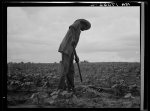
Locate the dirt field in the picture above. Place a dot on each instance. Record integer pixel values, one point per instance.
(25, 80)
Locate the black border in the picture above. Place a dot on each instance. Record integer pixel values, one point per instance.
(70, 3)
(4, 55)
(146, 58)
(11, 3)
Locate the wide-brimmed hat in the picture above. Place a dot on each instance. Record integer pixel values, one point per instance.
(86, 23)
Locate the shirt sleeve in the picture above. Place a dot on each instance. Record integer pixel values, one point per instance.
(72, 29)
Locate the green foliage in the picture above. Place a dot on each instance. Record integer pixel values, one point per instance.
(45, 76)
(29, 76)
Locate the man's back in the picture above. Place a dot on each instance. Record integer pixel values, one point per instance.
(71, 36)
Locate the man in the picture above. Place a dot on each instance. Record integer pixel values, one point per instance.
(67, 48)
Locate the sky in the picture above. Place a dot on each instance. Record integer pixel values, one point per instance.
(35, 33)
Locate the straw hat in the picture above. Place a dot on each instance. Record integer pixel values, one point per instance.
(86, 23)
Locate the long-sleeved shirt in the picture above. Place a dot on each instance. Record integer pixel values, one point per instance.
(72, 35)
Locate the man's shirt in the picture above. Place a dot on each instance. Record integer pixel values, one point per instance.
(72, 35)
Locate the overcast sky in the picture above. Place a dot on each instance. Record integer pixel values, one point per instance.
(35, 33)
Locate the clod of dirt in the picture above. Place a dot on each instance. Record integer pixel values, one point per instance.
(50, 101)
(55, 96)
(63, 99)
(55, 93)
(38, 97)
(129, 95)
(66, 94)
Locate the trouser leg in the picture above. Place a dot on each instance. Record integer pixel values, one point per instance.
(70, 74)
(62, 83)
(67, 69)
(64, 72)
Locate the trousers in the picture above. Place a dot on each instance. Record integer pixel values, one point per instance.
(67, 71)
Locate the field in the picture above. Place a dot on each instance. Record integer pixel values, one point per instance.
(25, 80)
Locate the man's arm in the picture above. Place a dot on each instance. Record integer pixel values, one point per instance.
(72, 29)
(73, 43)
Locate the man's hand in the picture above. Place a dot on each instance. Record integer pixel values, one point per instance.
(77, 59)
